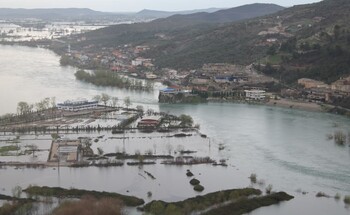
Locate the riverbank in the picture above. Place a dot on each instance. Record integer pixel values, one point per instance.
(286, 103)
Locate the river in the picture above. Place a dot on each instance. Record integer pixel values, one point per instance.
(286, 148)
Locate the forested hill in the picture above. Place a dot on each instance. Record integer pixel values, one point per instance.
(310, 40)
(319, 47)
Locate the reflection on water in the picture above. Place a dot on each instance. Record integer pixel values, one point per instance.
(287, 148)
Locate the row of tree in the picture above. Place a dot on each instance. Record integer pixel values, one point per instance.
(113, 101)
(24, 108)
(112, 79)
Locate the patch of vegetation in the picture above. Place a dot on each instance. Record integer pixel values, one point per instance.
(199, 202)
(5, 149)
(253, 178)
(347, 200)
(322, 194)
(337, 196)
(107, 78)
(76, 193)
(246, 205)
(194, 181)
(90, 205)
(198, 188)
(8, 208)
(17, 204)
(189, 173)
(339, 137)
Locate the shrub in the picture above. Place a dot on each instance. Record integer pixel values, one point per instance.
(189, 173)
(347, 200)
(253, 178)
(322, 194)
(194, 181)
(337, 196)
(157, 208)
(171, 209)
(198, 188)
(339, 137)
(90, 205)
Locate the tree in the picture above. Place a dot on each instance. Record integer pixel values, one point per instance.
(157, 208)
(139, 108)
(114, 101)
(43, 104)
(186, 120)
(53, 102)
(24, 108)
(171, 209)
(105, 98)
(17, 191)
(149, 85)
(127, 101)
(97, 98)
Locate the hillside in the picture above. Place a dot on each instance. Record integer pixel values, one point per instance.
(230, 15)
(177, 25)
(163, 14)
(319, 47)
(311, 40)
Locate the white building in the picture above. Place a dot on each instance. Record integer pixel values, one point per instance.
(137, 62)
(255, 94)
(77, 105)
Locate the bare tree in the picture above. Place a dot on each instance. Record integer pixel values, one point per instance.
(24, 108)
(105, 98)
(114, 101)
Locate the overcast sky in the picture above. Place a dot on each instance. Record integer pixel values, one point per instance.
(136, 5)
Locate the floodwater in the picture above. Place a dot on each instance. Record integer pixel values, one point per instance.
(50, 31)
(284, 147)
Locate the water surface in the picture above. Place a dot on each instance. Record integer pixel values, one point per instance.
(284, 147)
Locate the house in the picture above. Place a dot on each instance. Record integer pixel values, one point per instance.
(342, 85)
(318, 95)
(148, 123)
(137, 62)
(150, 75)
(77, 105)
(223, 79)
(255, 94)
(142, 62)
(310, 83)
(65, 151)
(200, 81)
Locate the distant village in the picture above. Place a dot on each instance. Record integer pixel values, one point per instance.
(214, 81)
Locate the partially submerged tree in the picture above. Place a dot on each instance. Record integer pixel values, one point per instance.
(339, 137)
(105, 98)
(127, 101)
(114, 101)
(186, 120)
